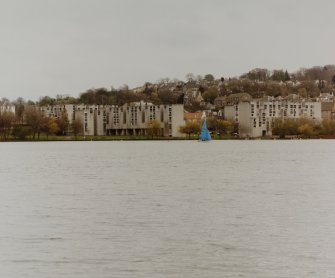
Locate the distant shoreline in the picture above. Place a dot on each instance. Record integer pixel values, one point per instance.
(133, 138)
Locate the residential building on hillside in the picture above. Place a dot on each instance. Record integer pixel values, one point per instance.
(192, 95)
(326, 97)
(193, 116)
(256, 117)
(236, 98)
(328, 110)
(220, 101)
(129, 119)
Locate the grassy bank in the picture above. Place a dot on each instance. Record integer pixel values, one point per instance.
(44, 138)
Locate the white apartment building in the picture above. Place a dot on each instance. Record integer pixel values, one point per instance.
(129, 119)
(256, 117)
(133, 118)
(93, 117)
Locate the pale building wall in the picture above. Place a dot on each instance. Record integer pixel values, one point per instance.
(7, 108)
(127, 119)
(256, 117)
(177, 120)
(229, 113)
(134, 118)
(244, 120)
(70, 110)
(92, 117)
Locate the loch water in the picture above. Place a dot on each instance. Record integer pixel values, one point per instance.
(256, 209)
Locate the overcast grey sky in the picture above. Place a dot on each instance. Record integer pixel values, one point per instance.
(51, 47)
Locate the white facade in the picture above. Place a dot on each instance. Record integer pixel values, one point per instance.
(93, 118)
(129, 119)
(133, 119)
(256, 117)
(7, 108)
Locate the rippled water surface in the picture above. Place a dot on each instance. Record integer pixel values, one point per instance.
(167, 209)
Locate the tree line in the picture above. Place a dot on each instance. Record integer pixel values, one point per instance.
(326, 73)
(30, 122)
(217, 126)
(303, 127)
(306, 82)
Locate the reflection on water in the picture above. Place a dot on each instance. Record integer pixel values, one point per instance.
(167, 209)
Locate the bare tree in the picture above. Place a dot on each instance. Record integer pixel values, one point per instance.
(77, 127)
(7, 119)
(190, 77)
(34, 119)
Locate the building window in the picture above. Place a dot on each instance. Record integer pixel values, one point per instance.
(124, 116)
(152, 113)
(133, 118)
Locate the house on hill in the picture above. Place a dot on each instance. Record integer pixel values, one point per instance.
(220, 101)
(328, 110)
(192, 95)
(239, 97)
(193, 116)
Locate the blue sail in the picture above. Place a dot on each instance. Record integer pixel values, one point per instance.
(205, 135)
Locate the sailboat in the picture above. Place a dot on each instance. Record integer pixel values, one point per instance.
(204, 135)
